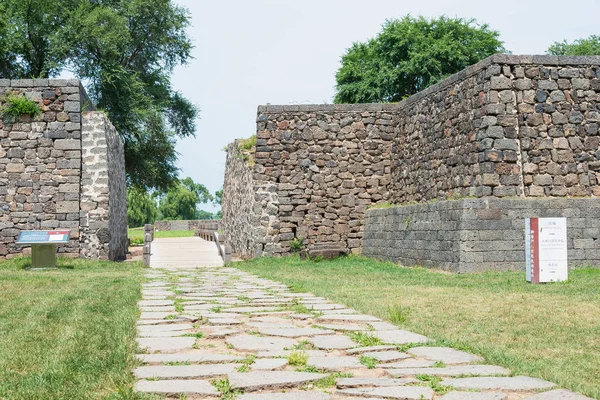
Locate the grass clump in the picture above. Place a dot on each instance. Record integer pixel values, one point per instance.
(224, 387)
(434, 382)
(69, 333)
(297, 358)
(216, 309)
(246, 363)
(369, 362)
(296, 245)
(398, 314)
(14, 106)
(304, 345)
(330, 380)
(365, 339)
(492, 314)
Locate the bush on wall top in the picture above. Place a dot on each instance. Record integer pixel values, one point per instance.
(16, 105)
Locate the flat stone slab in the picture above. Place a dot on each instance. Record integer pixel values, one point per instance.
(343, 327)
(295, 332)
(334, 363)
(155, 303)
(194, 357)
(175, 387)
(224, 321)
(370, 349)
(269, 364)
(331, 342)
(559, 394)
(286, 353)
(445, 354)
(162, 334)
(391, 392)
(347, 317)
(165, 328)
(219, 333)
(286, 396)
(386, 356)
(457, 370)
(271, 325)
(250, 309)
(409, 363)
(383, 326)
(155, 315)
(252, 381)
(166, 344)
(347, 383)
(400, 337)
(455, 395)
(183, 371)
(255, 343)
(516, 383)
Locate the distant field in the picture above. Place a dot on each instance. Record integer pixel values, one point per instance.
(68, 333)
(548, 331)
(136, 235)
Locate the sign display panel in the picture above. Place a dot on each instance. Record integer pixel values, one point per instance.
(546, 250)
(41, 237)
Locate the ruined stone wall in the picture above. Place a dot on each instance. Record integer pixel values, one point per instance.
(103, 190)
(509, 126)
(242, 209)
(41, 166)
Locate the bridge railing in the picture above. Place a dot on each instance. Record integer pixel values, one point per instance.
(209, 230)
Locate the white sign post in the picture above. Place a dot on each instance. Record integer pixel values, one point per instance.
(546, 250)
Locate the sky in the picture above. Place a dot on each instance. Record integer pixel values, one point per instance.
(254, 52)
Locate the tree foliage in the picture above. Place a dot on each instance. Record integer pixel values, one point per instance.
(409, 55)
(126, 51)
(141, 208)
(182, 199)
(581, 47)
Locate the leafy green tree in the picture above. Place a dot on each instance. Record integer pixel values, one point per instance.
(581, 47)
(218, 197)
(203, 215)
(126, 50)
(182, 199)
(409, 55)
(141, 207)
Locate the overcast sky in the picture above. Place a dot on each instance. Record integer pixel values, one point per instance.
(253, 52)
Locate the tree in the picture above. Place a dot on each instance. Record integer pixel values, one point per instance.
(203, 215)
(409, 55)
(218, 197)
(141, 208)
(126, 50)
(581, 47)
(182, 199)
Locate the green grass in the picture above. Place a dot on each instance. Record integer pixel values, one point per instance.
(297, 359)
(365, 339)
(68, 333)
(547, 331)
(369, 362)
(136, 235)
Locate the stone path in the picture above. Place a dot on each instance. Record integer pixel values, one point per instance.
(184, 252)
(218, 332)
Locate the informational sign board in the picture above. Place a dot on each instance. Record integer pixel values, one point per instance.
(41, 237)
(43, 246)
(546, 250)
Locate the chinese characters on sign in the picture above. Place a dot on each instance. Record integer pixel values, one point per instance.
(546, 249)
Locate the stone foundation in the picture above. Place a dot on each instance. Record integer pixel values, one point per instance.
(474, 235)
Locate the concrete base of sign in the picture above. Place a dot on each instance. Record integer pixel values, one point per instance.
(43, 256)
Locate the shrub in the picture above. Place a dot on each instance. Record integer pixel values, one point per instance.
(17, 105)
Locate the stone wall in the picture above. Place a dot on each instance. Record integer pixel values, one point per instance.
(241, 206)
(509, 126)
(178, 225)
(103, 190)
(41, 167)
(477, 234)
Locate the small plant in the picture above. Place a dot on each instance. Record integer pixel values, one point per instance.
(406, 222)
(197, 335)
(246, 363)
(296, 245)
(171, 317)
(224, 387)
(248, 144)
(369, 362)
(364, 338)
(245, 299)
(216, 309)
(398, 314)
(176, 363)
(17, 105)
(297, 358)
(309, 368)
(439, 364)
(434, 382)
(304, 345)
(331, 380)
(243, 368)
(178, 304)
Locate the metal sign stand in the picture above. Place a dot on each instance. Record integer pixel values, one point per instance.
(43, 246)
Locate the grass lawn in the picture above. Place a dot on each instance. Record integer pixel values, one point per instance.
(136, 235)
(547, 331)
(68, 333)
